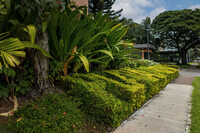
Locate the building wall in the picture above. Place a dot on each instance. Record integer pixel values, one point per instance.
(82, 2)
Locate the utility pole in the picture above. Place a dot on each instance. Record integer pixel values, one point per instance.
(148, 29)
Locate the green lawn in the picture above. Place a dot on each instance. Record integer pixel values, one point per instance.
(195, 118)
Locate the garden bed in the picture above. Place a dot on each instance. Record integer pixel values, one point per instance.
(104, 94)
(106, 98)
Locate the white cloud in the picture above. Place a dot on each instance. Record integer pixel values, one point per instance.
(137, 9)
(194, 7)
(143, 3)
(159, 2)
(156, 12)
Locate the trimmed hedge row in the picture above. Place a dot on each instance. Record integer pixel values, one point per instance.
(99, 103)
(130, 93)
(171, 73)
(173, 66)
(111, 96)
(151, 83)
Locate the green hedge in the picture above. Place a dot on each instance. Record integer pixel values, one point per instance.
(172, 66)
(143, 76)
(97, 102)
(110, 96)
(151, 83)
(135, 94)
(162, 70)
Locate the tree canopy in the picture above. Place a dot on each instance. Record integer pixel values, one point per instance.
(105, 6)
(137, 32)
(178, 30)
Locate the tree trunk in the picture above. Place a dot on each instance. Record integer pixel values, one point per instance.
(41, 65)
(183, 58)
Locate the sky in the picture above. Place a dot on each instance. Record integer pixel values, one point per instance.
(140, 9)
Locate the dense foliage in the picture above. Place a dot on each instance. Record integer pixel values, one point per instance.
(105, 6)
(74, 41)
(138, 32)
(18, 14)
(178, 30)
(17, 80)
(52, 113)
(110, 96)
(86, 40)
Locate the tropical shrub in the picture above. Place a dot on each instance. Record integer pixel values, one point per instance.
(128, 61)
(122, 58)
(6, 85)
(24, 77)
(78, 39)
(52, 113)
(18, 80)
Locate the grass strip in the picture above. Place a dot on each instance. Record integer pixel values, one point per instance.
(195, 111)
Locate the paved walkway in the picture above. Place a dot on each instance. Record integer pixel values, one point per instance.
(168, 112)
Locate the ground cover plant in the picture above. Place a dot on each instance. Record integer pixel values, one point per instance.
(52, 113)
(195, 111)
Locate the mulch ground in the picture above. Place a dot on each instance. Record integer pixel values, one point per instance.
(6, 106)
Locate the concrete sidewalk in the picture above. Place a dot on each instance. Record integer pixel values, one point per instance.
(167, 112)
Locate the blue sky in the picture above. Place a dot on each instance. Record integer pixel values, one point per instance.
(140, 9)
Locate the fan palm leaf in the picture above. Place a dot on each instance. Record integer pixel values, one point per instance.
(10, 50)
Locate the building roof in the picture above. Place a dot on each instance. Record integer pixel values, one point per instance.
(144, 46)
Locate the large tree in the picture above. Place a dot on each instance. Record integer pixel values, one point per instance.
(130, 35)
(179, 30)
(105, 6)
(137, 32)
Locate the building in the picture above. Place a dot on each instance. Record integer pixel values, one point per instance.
(143, 49)
(82, 2)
